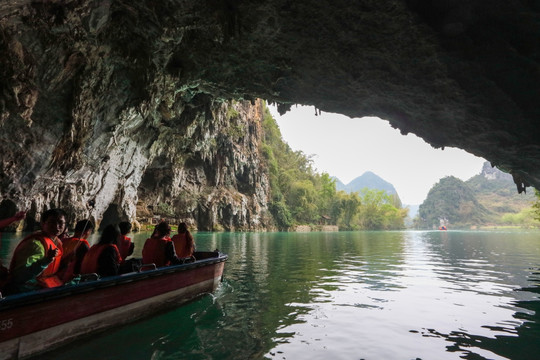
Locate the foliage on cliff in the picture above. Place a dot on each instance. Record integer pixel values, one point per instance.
(536, 205)
(453, 201)
(300, 195)
(489, 198)
(496, 191)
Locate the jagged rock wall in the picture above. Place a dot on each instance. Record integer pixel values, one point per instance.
(88, 86)
(209, 173)
(94, 126)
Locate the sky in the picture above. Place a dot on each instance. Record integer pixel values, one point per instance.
(346, 148)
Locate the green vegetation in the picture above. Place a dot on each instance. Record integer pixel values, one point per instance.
(536, 206)
(165, 210)
(488, 199)
(302, 196)
(453, 200)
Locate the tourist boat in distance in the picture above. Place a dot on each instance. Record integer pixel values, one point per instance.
(37, 321)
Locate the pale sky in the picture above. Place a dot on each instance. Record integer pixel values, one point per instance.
(346, 148)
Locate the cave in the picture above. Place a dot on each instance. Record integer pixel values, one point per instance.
(93, 90)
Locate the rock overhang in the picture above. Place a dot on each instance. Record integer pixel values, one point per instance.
(456, 73)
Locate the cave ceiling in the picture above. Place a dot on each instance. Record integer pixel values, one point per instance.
(461, 73)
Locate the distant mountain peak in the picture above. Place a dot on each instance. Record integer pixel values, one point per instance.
(368, 180)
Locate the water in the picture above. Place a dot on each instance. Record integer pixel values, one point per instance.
(351, 295)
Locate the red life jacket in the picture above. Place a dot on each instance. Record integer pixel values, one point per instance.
(181, 246)
(124, 243)
(154, 251)
(47, 278)
(90, 262)
(69, 259)
(70, 245)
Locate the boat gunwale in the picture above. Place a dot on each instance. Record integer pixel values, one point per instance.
(35, 296)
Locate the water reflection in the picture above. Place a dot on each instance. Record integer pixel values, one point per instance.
(511, 339)
(434, 285)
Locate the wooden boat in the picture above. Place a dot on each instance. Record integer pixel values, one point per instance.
(34, 322)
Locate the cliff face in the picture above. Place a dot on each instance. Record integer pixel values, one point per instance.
(208, 172)
(92, 123)
(91, 91)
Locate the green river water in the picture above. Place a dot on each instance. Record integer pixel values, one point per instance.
(347, 295)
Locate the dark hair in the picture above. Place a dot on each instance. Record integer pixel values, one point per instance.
(84, 225)
(110, 234)
(125, 227)
(162, 228)
(182, 228)
(52, 212)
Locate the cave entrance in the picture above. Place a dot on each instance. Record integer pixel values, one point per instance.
(111, 216)
(352, 150)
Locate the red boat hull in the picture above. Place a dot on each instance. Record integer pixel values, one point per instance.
(31, 326)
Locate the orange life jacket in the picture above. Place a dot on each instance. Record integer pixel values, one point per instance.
(154, 251)
(181, 246)
(90, 262)
(70, 245)
(47, 278)
(124, 243)
(69, 260)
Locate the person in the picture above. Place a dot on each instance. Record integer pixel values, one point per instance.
(36, 259)
(64, 235)
(10, 220)
(183, 242)
(104, 257)
(125, 246)
(159, 249)
(75, 248)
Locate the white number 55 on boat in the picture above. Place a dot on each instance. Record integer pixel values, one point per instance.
(6, 324)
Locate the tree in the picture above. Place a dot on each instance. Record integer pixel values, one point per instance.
(349, 208)
(536, 206)
(327, 191)
(302, 196)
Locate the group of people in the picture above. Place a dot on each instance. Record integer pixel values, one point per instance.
(48, 258)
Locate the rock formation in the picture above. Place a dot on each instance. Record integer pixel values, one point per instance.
(93, 91)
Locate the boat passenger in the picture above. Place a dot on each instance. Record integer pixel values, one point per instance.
(75, 248)
(104, 257)
(36, 259)
(183, 242)
(159, 249)
(125, 246)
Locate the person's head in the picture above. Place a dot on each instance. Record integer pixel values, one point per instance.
(53, 222)
(182, 227)
(162, 229)
(84, 228)
(125, 227)
(110, 234)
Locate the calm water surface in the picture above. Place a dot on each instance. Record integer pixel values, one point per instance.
(348, 295)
